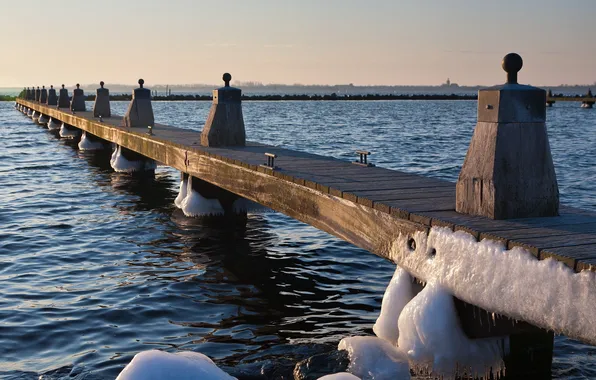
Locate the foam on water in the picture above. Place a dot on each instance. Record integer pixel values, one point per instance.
(68, 133)
(431, 335)
(512, 282)
(87, 144)
(194, 204)
(375, 358)
(159, 365)
(398, 294)
(120, 164)
(181, 193)
(53, 124)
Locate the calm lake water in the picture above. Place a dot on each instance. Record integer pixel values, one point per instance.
(96, 266)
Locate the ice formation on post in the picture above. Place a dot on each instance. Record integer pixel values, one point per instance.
(68, 133)
(339, 376)
(43, 120)
(120, 164)
(431, 335)
(545, 293)
(87, 144)
(398, 294)
(375, 358)
(158, 365)
(181, 193)
(54, 125)
(194, 204)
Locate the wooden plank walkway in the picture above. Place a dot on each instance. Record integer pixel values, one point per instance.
(367, 206)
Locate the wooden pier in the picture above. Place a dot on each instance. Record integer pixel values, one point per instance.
(367, 206)
(372, 207)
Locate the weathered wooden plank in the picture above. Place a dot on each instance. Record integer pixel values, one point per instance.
(363, 226)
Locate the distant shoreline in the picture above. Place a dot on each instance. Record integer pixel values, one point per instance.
(332, 97)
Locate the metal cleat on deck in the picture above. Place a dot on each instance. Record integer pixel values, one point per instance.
(270, 161)
(363, 161)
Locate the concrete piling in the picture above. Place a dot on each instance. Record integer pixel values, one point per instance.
(78, 100)
(52, 98)
(508, 171)
(43, 96)
(101, 107)
(140, 111)
(225, 123)
(63, 99)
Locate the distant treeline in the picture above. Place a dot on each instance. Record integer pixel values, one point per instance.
(7, 98)
(302, 97)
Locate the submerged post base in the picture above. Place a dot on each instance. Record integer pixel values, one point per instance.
(530, 356)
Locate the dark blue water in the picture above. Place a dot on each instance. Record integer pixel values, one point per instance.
(96, 266)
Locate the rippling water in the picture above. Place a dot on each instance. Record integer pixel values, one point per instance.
(96, 266)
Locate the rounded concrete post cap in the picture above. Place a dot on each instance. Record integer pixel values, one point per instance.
(78, 85)
(62, 86)
(43, 86)
(101, 84)
(51, 86)
(512, 63)
(227, 77)
(141, 82)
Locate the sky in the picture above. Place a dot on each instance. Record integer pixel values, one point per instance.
(364, 42)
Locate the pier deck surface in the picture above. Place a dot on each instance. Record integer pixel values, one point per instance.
(367, 206)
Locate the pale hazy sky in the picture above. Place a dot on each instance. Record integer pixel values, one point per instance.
(303, 41)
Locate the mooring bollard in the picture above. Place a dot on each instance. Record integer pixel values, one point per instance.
(37, 94)
(43, 97)
(225, 123)
(52, 98)
(508, 171)
(101, 107)
(63, 99)
(140, 111)
(78, 100)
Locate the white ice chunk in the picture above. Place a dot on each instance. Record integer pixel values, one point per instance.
(120, 164)
(158, 365)
(398, 294)
(43, 119)
(375, 358)
(433, 339)
(181, 193)
(68, 133)
(339, 376)
(513, 282)
(54, 124)
(196, 205)
(87, 144)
